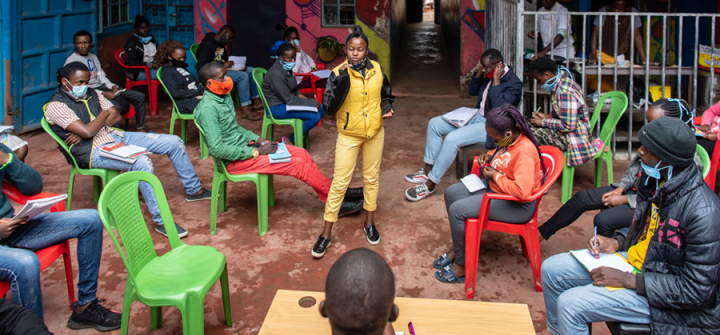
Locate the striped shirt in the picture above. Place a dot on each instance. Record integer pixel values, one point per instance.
(60, 114)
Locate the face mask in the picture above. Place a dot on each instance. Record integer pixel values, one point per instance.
(490, 75)
(178, 63)
(220, 88)
(296, 43)
(360, 65)
(683, 111)
(654, 172)
(223, 40)
(144, 40)
(552, 82)
(77, 91)
(288, 66)
(506, 141)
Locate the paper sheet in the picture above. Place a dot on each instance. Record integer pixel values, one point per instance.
(322, 74)
(460, 116)
(291, 108)
(614, 261)
(473, 183)
(36, 207)
(5, 129)
(239, 62)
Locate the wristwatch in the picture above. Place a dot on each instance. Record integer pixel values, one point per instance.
(255, 153)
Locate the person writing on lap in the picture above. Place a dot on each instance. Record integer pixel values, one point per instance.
(82, 118)
(495, 84)
(19, 238)
(244, 152)
(674, 242)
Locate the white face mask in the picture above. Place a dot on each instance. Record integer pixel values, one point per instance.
(77, 91)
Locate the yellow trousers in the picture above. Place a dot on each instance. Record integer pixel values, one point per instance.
(346, 153)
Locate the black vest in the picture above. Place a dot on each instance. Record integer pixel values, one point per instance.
(82, 108)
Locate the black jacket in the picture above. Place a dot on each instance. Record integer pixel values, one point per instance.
(134, 53)
(210, 50)
(337, 88)
(17, 320)
(182, 86)
(682, 265)
(280, 87)
(508, 92)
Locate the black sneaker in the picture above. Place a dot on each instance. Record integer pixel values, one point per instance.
(372, 234)
(203, 195)
(320, 246)
(354, 194)
(180, 230)
(350, 207)
(94, 316)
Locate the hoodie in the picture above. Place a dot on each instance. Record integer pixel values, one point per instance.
(210, 50)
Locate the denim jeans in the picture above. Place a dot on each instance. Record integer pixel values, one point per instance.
(310, 119)
(161, 144)
(19, 264)
(153, 75)
(441, 154)
(572, 301)
(245, 84)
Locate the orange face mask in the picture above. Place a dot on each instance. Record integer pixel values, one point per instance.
(220, 88)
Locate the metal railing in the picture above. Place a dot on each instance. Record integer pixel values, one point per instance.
(665, 68)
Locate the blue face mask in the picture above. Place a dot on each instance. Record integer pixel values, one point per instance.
(77, 91)
(288, 66)
(684, 110)
(296, 42)
(145, 40)
(654, 172)
(552, 82)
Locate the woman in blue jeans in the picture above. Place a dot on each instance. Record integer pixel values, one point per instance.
(19, 240)
(282, 93)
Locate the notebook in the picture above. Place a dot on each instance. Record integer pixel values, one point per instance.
(291, 108)
(239, 62)
(123, 152)
(461, 116)
(473, 183)
(281, 155)
(614, 261)
(36, 207)
(322, 74)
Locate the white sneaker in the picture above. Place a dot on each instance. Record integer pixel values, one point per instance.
(418, 193)
(417, 177)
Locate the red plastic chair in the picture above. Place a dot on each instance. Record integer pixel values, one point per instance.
(129, 84)
(554, 163)
(315, 91)
(714, 160)
(48, 255)
(127, 116)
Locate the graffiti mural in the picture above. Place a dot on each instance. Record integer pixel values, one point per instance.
(472, 34)
(305, 16)
(210, 14)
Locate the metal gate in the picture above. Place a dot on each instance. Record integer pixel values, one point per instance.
(504, 30)
(42, 35)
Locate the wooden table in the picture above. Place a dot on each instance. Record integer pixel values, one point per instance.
(429, 316)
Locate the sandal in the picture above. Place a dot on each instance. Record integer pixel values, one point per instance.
(447, 275)
(443, 261)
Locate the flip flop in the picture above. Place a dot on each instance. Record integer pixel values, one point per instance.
(448, 276)
(444, 260)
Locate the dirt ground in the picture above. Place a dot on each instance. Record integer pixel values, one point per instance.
(413, 234)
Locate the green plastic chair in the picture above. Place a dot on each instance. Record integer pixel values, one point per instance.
(263, 186)
(269, 121)
(705, 159)
(193, 51)
(180, 278)
(184, 118)
(617, 108)
(100, 176)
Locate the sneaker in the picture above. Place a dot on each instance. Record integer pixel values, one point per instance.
(372, 234)
(354, 194)
(203, 195)
(180, 230)
(418, 193)
(94, 316)
(350, 207)
(417, 177)
(320, 246)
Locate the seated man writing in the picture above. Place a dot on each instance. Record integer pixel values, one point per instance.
(567, 127)
(233, 144)
(19, 237)
(82, 118)
(359, 295)
(673, 242)
(495, 84)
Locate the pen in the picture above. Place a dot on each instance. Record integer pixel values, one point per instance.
(595, 239)
(410, 327)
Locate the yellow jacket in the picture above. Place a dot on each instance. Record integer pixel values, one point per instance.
(359, 99)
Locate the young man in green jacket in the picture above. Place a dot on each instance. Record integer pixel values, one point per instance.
(245, 152)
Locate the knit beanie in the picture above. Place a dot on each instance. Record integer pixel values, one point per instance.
(669, 139)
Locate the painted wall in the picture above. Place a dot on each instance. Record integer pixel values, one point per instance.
(472, 39)
(372, 15)
(210, 15)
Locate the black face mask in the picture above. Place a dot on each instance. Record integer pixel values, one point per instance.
(178, 63)
(223, 40)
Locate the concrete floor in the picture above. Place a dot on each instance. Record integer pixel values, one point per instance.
(413, 234)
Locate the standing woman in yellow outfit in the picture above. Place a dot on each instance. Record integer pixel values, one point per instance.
(359, 93)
